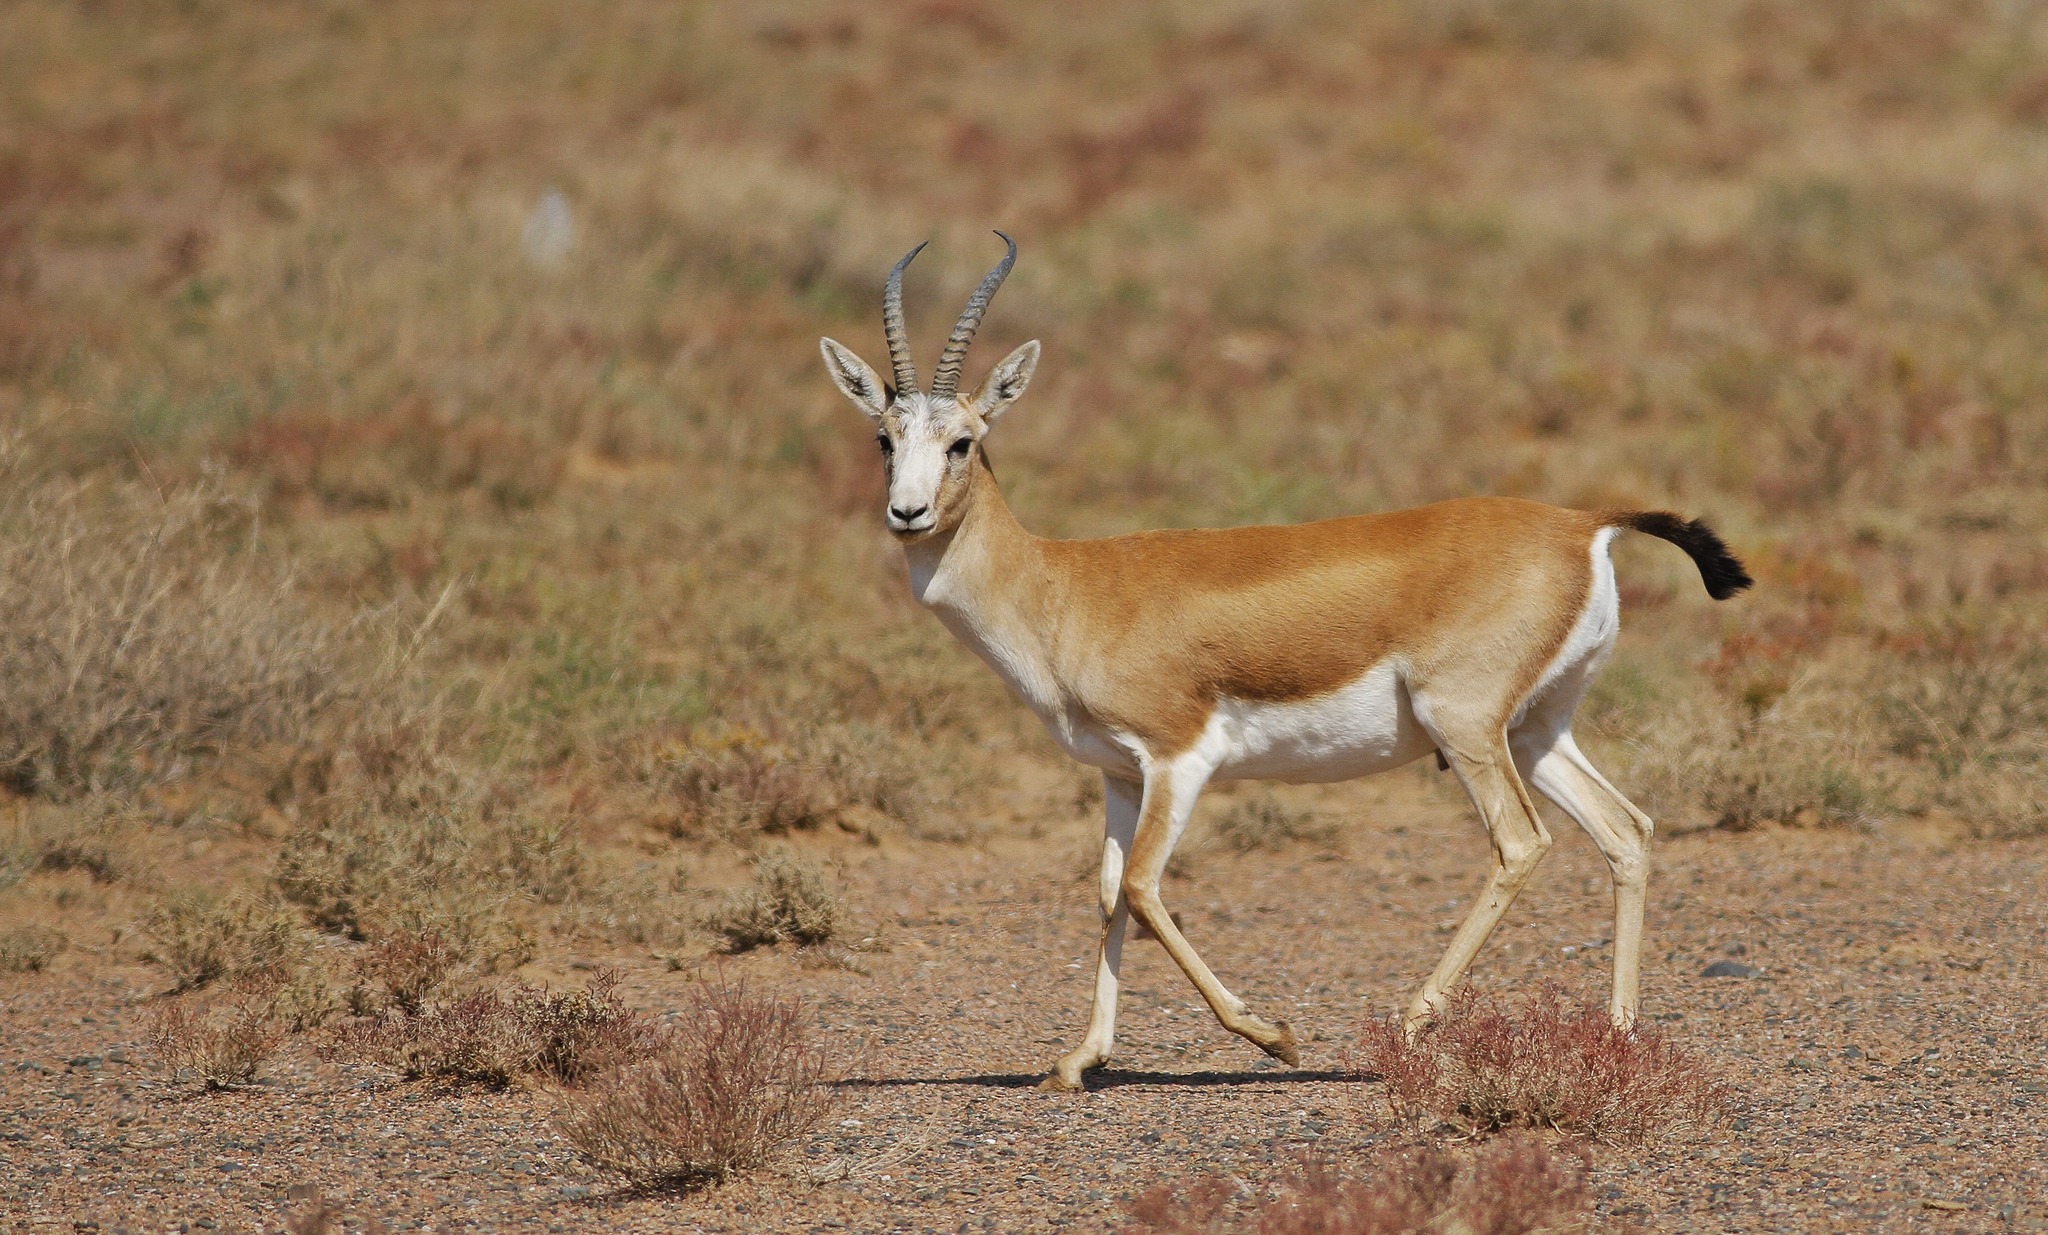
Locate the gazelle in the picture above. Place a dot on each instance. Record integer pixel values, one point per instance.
(1319, 652)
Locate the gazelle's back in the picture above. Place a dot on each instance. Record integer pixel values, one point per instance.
(1282, 614)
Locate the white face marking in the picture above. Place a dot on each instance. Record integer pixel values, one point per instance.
(928, 444)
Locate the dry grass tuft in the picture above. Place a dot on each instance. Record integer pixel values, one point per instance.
(790, 899)
(750, 781)
(139, 632)
(1517, 1185)
(1550, 1063)
(1966, 704)
(201, 937)
(93, 836)
(409, 967)
(749, 785)
(430, 852)
(1947, 715)
(1263, 821)
(223, 1041)
(488, 1038)
(30, 949)
(731, 1080)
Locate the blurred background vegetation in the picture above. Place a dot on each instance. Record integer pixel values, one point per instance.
(416, 435)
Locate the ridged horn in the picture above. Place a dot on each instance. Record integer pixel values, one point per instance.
(892, 325)
(947, 379)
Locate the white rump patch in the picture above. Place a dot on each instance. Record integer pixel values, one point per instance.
(1549, 707)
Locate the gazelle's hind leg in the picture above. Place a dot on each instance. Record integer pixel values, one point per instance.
(1564, 775)
(1487, 770)
(1121, 800)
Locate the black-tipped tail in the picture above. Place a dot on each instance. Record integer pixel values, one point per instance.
(1720, 569)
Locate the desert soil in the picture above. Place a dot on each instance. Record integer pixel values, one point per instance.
(1888, 1058)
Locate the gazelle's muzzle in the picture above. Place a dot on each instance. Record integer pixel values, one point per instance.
(919, 473)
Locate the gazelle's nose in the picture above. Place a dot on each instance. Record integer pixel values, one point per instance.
(908, 516)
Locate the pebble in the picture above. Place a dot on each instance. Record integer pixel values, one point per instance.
(1730, 969)
(576, 1192)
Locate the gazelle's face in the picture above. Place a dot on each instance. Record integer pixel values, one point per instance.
(928, 438)
(929, 442)
(928, 448)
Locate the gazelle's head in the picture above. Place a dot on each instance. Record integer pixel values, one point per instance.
(929, 439)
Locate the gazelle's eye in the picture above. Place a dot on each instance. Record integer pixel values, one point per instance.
(960, 448)
(888, 447)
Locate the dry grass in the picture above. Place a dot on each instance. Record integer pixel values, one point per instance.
(744, 783)
(407, 969)
(141, 631)
(790, 899)
(95, 836)
(436, 851)
(1518, 1185)
(223, 1039)
(1263, 821)
(493, 1038)
(733, 1079)
(1947, 716)
(199, 938)
(30, 949)
(1548, 1063)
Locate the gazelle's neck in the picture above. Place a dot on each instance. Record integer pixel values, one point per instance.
(986, 581)
(986, 562)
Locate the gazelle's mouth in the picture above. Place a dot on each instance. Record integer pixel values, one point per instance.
(904, 531)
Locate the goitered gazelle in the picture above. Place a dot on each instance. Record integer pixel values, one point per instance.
(1318, 652)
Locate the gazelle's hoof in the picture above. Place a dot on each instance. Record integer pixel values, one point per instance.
(1060, 1084)
(1283, 1048)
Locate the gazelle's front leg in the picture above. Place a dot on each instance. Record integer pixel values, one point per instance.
(1121, 801)
(1170, 792)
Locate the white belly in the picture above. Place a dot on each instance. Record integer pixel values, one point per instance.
(1356, 730)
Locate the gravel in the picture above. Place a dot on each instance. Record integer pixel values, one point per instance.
(1891, 1075)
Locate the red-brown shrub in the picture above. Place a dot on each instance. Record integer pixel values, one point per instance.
(1514, 1186)
(1480, 1068)
(410, 967)
(222, 1042)
(732, 1080)
(486, 1038)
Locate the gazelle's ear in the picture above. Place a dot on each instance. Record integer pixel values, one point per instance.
(1005, 383)
(853, 377)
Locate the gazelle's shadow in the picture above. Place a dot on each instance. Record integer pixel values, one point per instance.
(1107, 1078)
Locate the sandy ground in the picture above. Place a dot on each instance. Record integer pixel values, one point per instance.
(1889, 1061)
